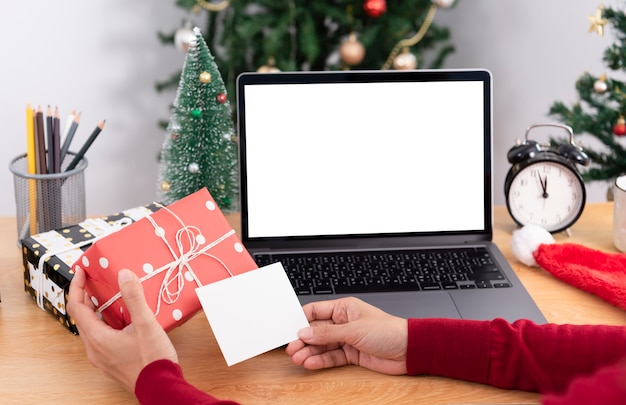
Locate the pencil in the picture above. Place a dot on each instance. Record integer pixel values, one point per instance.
(32, 168)
(41, 141)
(40, 144)
(54, 192)
(83, 149)
(70, 135)
(67, 126)
(44, 207)
(50, 141)
(56, 141)
(30, 140)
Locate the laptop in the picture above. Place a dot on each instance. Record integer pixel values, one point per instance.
(377, 184)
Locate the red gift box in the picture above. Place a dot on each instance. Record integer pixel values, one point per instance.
(173, 251)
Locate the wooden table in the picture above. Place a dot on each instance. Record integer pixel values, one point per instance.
(41, 362)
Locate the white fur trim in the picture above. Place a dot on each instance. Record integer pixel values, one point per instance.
(526, 240)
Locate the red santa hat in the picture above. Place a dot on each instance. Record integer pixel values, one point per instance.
(594, 271)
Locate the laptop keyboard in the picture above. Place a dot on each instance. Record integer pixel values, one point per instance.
(384, 271)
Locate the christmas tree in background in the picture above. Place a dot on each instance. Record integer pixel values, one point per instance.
(199, 149)
(293, 35)
(601, 110)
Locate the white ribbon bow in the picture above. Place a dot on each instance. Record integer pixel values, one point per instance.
(174, 279)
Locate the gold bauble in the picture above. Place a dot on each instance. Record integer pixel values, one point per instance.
(205, 77)
(165, 186)
(600, 85)
(443, 3)
(405, 61)
(269, 67)
(352, 51)
(182, 37)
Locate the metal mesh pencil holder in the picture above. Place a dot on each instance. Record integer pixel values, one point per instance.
(47, 201)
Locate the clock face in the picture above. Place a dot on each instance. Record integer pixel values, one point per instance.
(546, 193)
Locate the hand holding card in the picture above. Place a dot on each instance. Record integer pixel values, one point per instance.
(253, 312)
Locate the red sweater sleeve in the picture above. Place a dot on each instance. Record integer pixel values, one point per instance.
(522, 355)
(162, 383)
(606, 387)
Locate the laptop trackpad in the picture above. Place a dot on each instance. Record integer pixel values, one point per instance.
(406, 304)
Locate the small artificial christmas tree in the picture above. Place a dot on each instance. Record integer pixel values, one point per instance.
(200, 149)
(601, 110)
(267, 35)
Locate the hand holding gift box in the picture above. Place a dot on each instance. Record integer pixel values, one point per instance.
(49, 256)
(175, 250)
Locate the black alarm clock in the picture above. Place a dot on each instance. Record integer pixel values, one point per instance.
(544, 186)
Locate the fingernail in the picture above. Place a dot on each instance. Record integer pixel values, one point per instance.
(124, 276)
(305, 333)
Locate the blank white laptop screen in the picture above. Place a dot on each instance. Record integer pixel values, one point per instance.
(364, 158)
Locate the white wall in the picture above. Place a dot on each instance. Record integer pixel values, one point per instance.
(102, 57)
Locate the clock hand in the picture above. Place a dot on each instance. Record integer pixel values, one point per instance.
(544, 186)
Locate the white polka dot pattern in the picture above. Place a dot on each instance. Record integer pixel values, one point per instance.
(180, 250)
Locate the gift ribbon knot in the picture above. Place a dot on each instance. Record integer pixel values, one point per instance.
(190, 244)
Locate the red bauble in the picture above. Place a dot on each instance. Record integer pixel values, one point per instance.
(221, 98)
(375, 8)
(619, 128)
